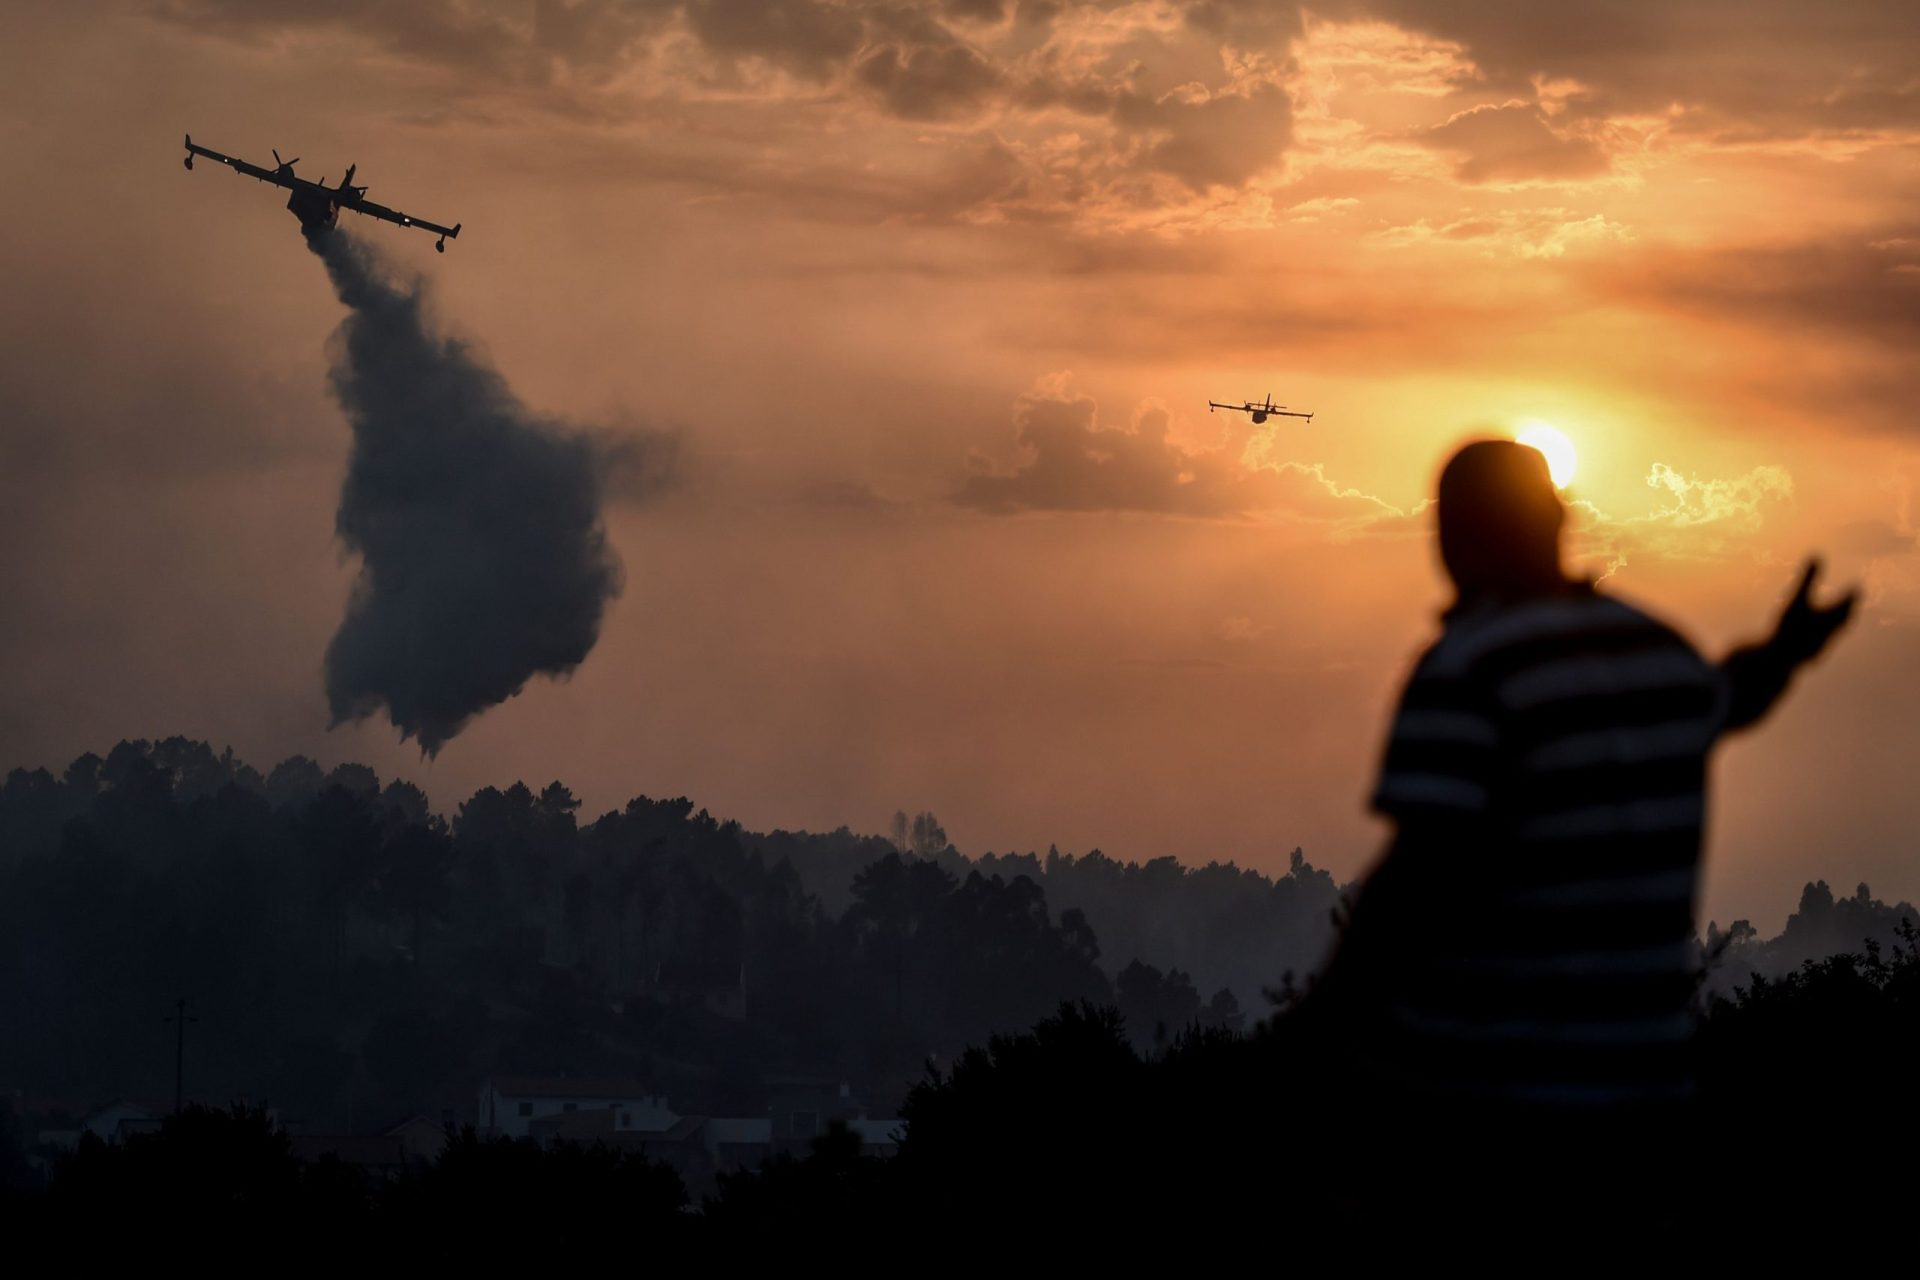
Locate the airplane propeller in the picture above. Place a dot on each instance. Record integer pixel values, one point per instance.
(285, 164)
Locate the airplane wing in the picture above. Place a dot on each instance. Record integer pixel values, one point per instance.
(372, 210)
(251, 170)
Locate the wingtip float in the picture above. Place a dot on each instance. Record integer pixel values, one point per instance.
(316, 204)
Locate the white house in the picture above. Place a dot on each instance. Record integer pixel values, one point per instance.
(509, 1104)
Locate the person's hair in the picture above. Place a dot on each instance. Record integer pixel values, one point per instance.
(1500, 519)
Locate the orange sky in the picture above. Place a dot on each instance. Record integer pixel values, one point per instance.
(934, 297)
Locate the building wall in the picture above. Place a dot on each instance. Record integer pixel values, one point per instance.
(511, 1116)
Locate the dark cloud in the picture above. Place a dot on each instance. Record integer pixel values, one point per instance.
(484, 559)
(910, 62)
(1737, 69)
(492, 41)
(1075, 464)
(1860, 285)
(1512, 142)
(1200, 136)
(808, 38)
(1839, 317)
(1221, 139)
(975, 10)
(1777, 67)
(594, 35)
(1249, 23)
(928, 82)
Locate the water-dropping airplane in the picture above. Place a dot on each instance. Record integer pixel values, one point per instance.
(316, 204)
(1261, 411)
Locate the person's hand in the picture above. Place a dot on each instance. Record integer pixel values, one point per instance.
(1805, 628)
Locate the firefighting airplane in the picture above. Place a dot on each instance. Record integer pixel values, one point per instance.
(1260, 411)
(316, 204)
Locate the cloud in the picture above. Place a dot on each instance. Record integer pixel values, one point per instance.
(1512, 142)
(1721, 68)
(1106, 110)
(1857, 285)
(1206, 138)
(1527, 233)
(1073, 463)
(483, 43)
(1692, 517)
(1692, 501)
(1838, 314)
(809, 38)
(1169, 116)
(929, 82)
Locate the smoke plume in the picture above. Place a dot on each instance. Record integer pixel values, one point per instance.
(483, 556)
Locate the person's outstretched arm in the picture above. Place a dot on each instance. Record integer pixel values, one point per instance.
(1758, 674)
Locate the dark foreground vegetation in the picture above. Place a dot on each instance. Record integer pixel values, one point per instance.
(1069, 1129)
(353, 958)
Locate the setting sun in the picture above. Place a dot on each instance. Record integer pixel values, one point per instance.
(1552, 442)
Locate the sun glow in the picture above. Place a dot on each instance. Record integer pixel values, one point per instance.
(1553, 443)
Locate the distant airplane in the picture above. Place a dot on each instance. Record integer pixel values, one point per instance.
(1260, 411)
(315, 203)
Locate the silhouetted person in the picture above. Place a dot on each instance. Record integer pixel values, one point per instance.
(1523, 953)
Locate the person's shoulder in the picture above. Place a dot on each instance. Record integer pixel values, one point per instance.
(1617, 613)
(1475, 634)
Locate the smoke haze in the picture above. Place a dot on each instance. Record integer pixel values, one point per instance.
(484, 557)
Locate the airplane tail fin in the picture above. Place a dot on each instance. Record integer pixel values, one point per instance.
(455, 233)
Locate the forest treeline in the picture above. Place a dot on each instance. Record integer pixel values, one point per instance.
(353, 956)
(1221, 926)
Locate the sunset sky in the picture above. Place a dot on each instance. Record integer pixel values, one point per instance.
(927, 301)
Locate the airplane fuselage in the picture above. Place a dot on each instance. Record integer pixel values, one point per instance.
(316, 211)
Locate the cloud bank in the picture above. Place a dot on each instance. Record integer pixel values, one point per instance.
(1073, 463)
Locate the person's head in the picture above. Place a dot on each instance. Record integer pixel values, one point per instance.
(1500, 521)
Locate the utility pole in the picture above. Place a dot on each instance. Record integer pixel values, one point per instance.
(180, 1021)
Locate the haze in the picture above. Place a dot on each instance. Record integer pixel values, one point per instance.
(933, 297)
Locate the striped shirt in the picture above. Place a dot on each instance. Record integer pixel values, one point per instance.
(1561, 747)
